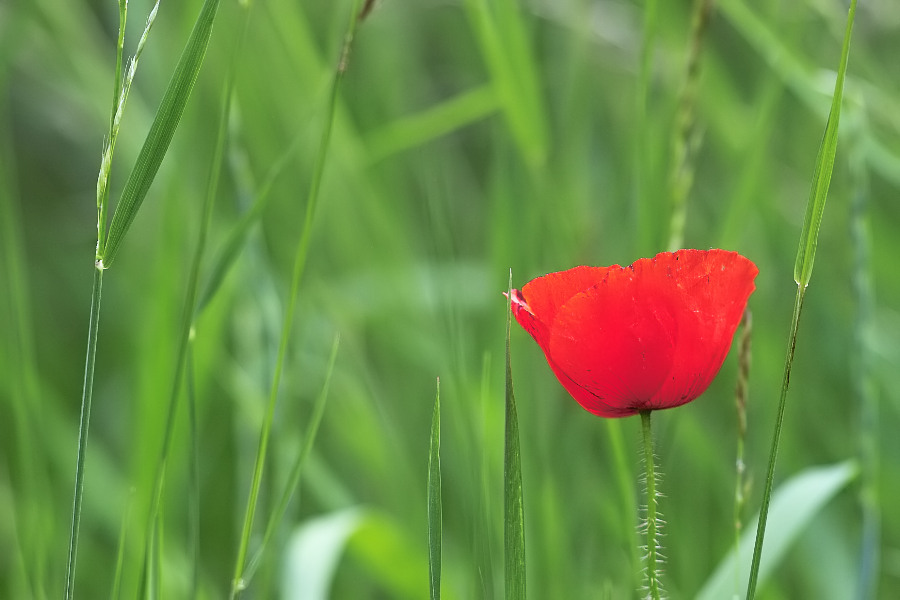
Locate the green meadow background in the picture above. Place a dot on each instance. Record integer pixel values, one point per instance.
(470, 137)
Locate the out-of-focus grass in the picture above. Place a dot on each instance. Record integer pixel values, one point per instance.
(462, 147)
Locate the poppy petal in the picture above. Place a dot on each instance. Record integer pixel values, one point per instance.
(621, 354)
(651, 335)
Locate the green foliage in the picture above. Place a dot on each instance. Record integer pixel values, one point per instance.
(513, 503)
(468, 138)
(434, 501)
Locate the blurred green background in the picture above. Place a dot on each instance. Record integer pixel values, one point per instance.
(471, 138)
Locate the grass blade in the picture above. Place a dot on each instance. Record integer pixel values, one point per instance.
(238, 583)
(802, 272)
(297, 469)
(182, 359)
(818, 193)
(513, 502)
(794, 506)
(502, 34)
(161, 131)
(646, 206)
(238, 235)
(685, 137)
(418, 129)
(434, 499)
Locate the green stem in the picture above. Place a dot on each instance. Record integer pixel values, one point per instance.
(87, 394)
(238, 582)
(776, 438)
(653, 587)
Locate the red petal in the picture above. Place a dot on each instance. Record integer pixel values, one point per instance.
(615, 344)
(652, 335)
(714, 287)
(542, 297)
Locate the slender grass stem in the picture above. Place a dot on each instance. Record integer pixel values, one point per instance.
(653, 587)
(434, 500)
(83, 429)
(684, 135)
(513, 495)
(803, 267)
(238, 582)
(776, 438)
(293, 480)
(189, 313)
(642, 163)
(740, 395)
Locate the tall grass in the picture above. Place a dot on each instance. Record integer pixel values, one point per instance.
(467, 139)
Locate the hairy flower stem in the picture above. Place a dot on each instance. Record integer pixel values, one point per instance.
(653, 587)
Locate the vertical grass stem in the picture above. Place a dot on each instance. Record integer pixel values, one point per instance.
(83, 428)
(238, 583)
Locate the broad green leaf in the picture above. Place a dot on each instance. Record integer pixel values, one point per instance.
(794, 505)
(313, 554)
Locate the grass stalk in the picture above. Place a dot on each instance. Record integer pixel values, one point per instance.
(642, 163)
(685, 137)
(741, 393)
(83, 429)
(803, 266)
(653, 587)
(434, 500)
(120, 553)
(293, 481)
(194, 510)
(238, 583)
(513, 497)
(118, 103)
(154, 524)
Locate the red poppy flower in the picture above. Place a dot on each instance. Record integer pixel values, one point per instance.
(649, 336)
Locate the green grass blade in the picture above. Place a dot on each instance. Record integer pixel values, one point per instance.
(194, 505)
(418, 129)
(794, 505)
(513, 501)
(115, 592)
(647, 207)
(187, 324)
(502, 34)
(238, 583)
(685, 138)
(434, 499)
(802, 271)
(815, 207)
(293, 482)
(238, 235)
(161, 131)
